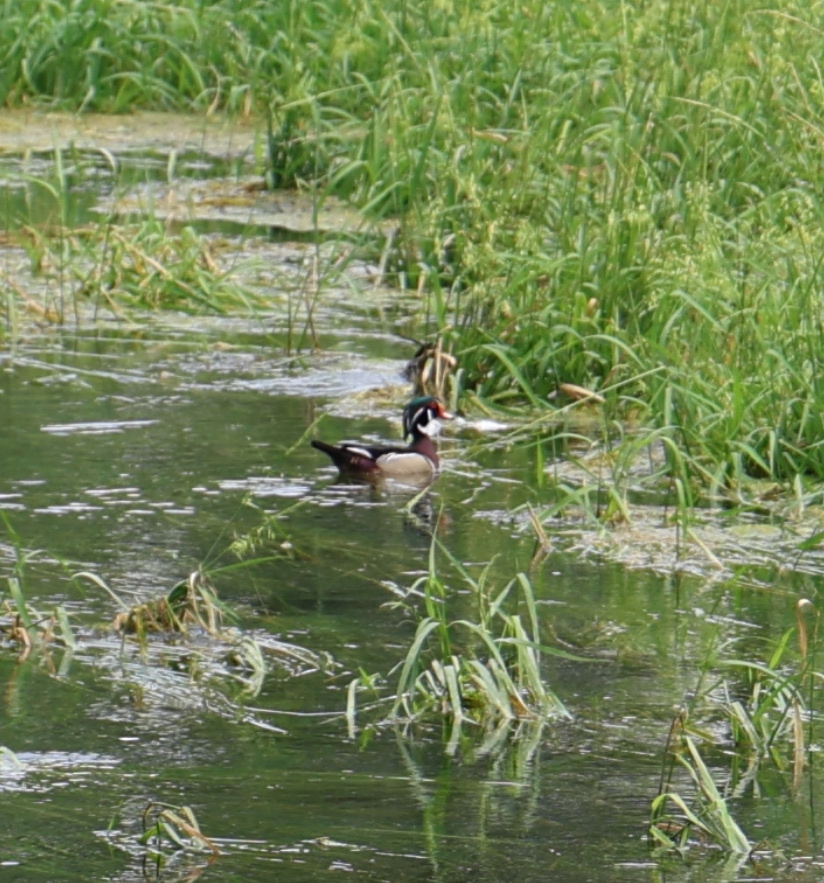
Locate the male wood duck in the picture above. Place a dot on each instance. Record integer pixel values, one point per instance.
(418, 460)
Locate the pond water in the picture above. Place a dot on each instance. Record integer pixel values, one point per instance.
(140, 453)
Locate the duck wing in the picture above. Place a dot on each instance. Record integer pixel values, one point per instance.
(351, 457)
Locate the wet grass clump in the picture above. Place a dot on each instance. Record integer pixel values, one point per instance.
(177, 646)
(165, 825)
(191, 603)
(761, 714)
(483, 669)
(117, 269)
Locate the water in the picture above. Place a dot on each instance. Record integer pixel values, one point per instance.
(140, 454)
(133, 459)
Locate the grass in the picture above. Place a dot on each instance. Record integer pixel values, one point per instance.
(110, 269)
(22, 626)
(174, 827)
(480, 670)
(709, 818)
(767, 720)
(621, 198)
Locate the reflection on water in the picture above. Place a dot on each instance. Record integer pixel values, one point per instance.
(98, 428)
(36, 773)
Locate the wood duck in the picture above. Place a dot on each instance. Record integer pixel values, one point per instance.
(418, 460)
(430, 369)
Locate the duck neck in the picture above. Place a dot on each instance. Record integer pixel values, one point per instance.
(423, 444)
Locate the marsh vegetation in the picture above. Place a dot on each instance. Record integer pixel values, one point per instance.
(606, 219)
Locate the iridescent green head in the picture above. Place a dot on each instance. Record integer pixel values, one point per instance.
(421, 415)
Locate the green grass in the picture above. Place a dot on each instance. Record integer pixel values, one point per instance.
(484, 669)
(622, 196)
(763, 716)
(173, 827)
(709, 818)
(113, 269)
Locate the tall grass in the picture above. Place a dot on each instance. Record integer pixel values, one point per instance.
(622, 196)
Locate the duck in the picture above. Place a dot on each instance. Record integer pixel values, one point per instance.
(430, 370)
(418, 460)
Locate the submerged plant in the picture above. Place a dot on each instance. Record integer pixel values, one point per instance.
(763, 725)
(166, 825)
(674, 820)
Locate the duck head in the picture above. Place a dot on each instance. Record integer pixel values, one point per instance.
(422, 416)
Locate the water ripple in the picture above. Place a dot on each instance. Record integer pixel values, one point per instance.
(101, 427)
